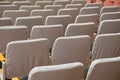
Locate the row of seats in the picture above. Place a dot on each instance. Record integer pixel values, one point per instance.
(100, 69)
(22, 56)
(66, 34)
(54, 31)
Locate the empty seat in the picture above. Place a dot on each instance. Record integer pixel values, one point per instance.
(54, 7)
(13, 14)
(106, 46)
(93, 5)
(34, 1)
(7, 7)
(42, 4)
(78, 6)
(29, 21)
(50, 0)
(61, 2)
(59, 19)
(21, 3)
(109, 15)
(69, 11)
(51, 32)
(109, 26)
(83, 2)
(88, 18)
(71, 49)
(43, 12)
(69, 71)
(76, 29)
(22, 56)
(11, 33)
(104, 69)
(30, 8)
(89, 10)
(5, 21)
(15, 0)
(5, 2)
(106, 9)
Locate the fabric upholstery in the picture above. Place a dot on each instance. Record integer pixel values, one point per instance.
(59, 19)
(109, 26)
(22, 56)
(104, 69)
(71, 49)
(106, 9)
(69, 71)
(5, 21)
(29, 21)
(12, 33)
(106, 46)
(13, 14)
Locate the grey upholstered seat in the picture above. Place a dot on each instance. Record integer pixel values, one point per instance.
(106, 9)
(5, 21)
(104, 69)
(59, 19)
(106, 46)
(22, 56)
(51, 32)
(29, 21)
(13, 14)
(69, 71)
(109, 26)
(11, 33)
(109, 15)
(71, 49)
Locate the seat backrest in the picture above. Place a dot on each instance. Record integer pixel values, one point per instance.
(59, 19)
(61, 2)
(43, 3)
(5, 3)
(69, 11)
(15, 0)
(54, 7)
(29, 21)
(83, 2)
(109, 26)
(76, 29)
(5, 21)
(106, 46)
(88, 18)
(21, 3)
(78, 6)
(12, 33)
(13, 14)
(93, 5)
(71, 49)
(104, 69)
(89, 10)
(22, 56)
(30, 8)
(69, 71)
(7, 7)
(34, 1)
(109, 15)
(106, 9)
(51, 32)
(43, 12)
